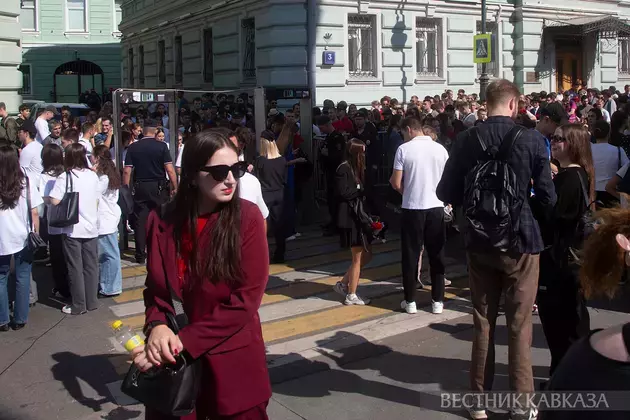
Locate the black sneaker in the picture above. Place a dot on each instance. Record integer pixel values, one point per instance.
(4, 328)
(17, 327)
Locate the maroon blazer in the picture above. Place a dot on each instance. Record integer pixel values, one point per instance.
(224, 325)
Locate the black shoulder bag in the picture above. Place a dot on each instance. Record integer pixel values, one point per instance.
(585, 226)
(65, 213)
(170, 389)
(34, 241)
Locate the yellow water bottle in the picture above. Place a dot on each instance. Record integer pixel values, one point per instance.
(125, 336)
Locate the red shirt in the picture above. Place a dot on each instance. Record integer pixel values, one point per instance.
(184, 255)
(344, 125)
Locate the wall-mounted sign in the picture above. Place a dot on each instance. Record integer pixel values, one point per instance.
(329, 58)
(482, 46)
(287, 93)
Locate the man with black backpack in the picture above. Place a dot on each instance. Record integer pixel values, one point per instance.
(490, 173)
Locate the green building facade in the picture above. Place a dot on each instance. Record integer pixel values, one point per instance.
(68, 47)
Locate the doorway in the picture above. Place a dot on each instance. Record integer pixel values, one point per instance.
(568, 69)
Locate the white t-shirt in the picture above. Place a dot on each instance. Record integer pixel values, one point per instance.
(251, 191)
(31, 161)
(422, 162)
(43, 130)
(621, 173)
(14, 223)
(108, 210)
(607, 160)
(178, 161)
(85, 182)
(46, 184)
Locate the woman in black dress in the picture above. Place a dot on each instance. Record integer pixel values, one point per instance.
(271, 170)
(350, 190)
(561, 303)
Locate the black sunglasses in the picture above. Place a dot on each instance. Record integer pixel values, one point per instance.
(220, 172)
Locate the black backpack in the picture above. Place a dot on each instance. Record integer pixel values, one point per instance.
(492, 197)
(624, 184)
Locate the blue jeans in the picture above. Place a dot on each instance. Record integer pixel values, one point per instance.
(109, 264)
(23, 264)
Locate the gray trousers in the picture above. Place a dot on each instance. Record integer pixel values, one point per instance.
(82, 260)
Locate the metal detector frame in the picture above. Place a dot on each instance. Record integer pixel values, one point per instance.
(170, 98)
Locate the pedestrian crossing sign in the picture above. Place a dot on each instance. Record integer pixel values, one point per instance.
(482, 48)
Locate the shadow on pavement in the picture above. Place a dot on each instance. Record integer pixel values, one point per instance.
(500, 335)
(96, 371)
(441, 374)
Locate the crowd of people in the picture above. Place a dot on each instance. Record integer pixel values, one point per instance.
(520, 175)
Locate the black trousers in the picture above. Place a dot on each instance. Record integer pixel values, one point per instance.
(331, 197)
(562, 309)
(423, 228)
(147, 195)
(275, 203)
(58, 265)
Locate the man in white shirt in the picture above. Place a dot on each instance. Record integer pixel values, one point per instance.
(41, 123)
(31, 154)
(87, 139)
(418, 168)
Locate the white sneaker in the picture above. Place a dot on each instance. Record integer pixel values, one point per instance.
(531, 414)
(437, 307)
(354, 299)
(476, 414)
(428, 282)
(341, 288)
(409, 307)
(67, 310)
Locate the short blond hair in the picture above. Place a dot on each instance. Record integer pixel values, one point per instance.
(269, 148)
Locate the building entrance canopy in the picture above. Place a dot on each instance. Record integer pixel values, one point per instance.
(605, 26)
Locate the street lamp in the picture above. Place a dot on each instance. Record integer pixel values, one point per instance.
(483, 79)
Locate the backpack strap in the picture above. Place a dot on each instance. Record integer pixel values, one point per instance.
(473, 133)
(505, 150)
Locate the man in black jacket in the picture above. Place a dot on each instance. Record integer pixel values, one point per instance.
(332, 154)
(493, 272)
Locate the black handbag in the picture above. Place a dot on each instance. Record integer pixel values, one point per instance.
(125, 201)
(65, 213)
(33, 240)
(172, 389)
(585, 227)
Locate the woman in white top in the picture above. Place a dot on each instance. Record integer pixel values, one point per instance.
(80, 243)
(14, 230)
(108, 219)
(52, 161)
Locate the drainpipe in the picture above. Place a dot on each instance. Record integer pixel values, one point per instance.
(311, 10)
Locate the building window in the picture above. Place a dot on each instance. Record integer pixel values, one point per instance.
(624, 55)
(26, 79)
(208, 56)
(76, 16)
(492, 68)
(130, 67)
(161, 61)
(141, 65)
(428, 47)
(249, 48)
(28, 15)
(179, 61)
(117, 14)
(361, 45)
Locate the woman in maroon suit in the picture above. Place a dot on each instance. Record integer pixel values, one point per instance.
(212, 247)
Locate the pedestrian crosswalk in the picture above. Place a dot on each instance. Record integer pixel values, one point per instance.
(300, 310)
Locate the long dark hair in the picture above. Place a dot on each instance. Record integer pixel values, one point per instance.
(223, 261)
(106, 166)
(11, 178)
(75, 157)
(52, 159)
(578, 142)
(355, 156)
